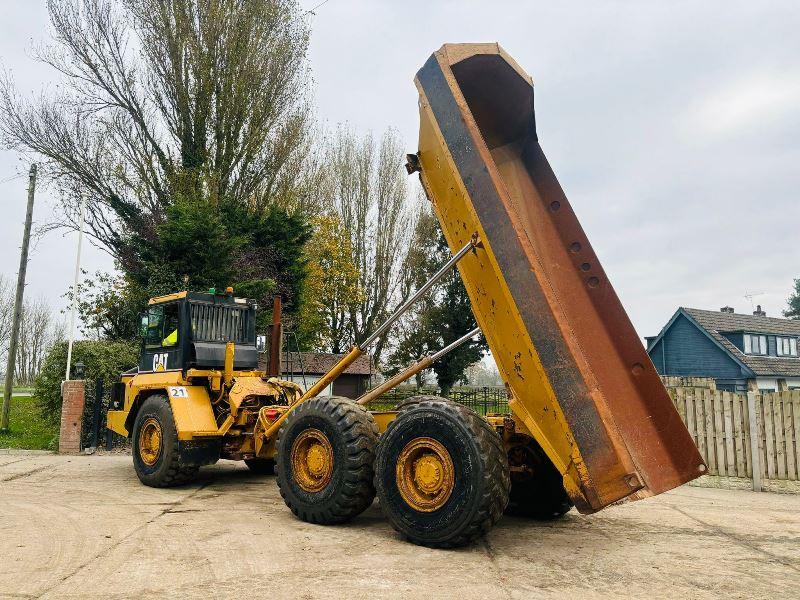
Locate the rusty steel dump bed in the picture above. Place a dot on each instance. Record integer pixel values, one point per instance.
(580, 380)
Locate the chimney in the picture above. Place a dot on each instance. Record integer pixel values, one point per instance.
(726, 309)
(758, 312)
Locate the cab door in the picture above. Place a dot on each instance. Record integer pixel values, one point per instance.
(162, 338)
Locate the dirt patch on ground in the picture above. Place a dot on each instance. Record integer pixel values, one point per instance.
(84, 526)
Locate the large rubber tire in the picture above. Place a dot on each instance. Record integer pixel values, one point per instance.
(261, 466)
(538, 491)
(404, 404)
(480, 467)
(353, 435)
(167, 470)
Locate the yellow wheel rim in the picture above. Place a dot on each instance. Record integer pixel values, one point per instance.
(150, 442)
(425, 474)
(312, 460)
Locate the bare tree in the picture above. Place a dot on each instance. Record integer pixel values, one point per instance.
(38, 332)
(413, 337)
(6, 313)
(163, 100)
(366, 187)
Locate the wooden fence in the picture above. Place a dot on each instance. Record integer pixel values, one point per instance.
(730, 429)
(677, 381)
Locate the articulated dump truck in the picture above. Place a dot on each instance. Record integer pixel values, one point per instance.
(590, 424)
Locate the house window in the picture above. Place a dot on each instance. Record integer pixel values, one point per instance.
(755, 344)
(787, 346)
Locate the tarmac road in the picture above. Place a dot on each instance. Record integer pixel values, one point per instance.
(84, 526)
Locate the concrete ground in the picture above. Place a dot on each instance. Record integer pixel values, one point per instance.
(84, 526)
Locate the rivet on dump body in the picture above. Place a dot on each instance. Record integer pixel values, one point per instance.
(633, 481)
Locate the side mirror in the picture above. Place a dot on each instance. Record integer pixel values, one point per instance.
(261, 343)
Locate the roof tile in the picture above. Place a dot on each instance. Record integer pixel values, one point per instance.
(319, 363)
(717, 322)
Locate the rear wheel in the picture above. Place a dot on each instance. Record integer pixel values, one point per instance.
(537, 489)
(156, 455)
(404, 404)
(325, 454)
(262, 466)
(441, 474)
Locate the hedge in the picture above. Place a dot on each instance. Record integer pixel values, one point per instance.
(101, 359)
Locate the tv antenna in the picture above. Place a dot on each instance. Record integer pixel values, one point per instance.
(750, 295)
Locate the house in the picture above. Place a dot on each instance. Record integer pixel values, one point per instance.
(740, 352)
(306, 368)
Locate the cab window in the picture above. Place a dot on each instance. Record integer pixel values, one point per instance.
(170, 326)
(161, 330)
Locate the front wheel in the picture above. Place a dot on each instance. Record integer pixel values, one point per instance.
(156, 454)
(441, 474)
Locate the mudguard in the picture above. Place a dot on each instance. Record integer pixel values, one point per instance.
(191, 404)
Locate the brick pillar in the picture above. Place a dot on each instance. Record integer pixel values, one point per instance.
(73, 394)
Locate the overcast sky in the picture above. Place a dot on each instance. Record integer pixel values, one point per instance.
(672, 126)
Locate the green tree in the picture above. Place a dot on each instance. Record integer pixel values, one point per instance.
(185, 128)
(102, 360)
(793, 312)
(273, 261)
(451, 317)
(333, 285)
(258, 256)
(109, 306)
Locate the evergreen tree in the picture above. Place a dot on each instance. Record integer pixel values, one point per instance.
(197, 248)
(451, 317)
(793, 312)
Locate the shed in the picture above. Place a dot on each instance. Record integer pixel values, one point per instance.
(306, 368)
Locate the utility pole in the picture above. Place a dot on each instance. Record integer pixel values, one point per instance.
(17, 317)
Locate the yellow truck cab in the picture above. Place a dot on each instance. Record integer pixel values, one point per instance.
(197, 391)
(190, 329)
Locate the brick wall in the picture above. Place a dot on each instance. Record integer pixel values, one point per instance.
(73, 394)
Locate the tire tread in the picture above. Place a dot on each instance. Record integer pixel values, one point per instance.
(361, 433)
(496, 480)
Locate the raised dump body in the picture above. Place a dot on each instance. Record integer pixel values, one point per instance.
(580, 379)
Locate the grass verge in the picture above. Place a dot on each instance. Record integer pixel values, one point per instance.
(27, 428)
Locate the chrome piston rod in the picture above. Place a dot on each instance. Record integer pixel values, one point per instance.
(446, 268)
(272, 429)
(418, 366)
